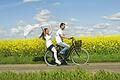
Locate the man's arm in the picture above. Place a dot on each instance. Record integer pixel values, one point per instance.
(63, 36)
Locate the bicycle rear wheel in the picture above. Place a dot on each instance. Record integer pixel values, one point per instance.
(80, 57)
(49, 58)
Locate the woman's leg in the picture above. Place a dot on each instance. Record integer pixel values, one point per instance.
(55, 55)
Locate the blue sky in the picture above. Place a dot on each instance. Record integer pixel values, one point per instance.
(82, 12)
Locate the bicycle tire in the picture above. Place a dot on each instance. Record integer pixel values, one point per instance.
(78, 56)
(49, 58)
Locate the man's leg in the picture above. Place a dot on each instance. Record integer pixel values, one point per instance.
(66, 47)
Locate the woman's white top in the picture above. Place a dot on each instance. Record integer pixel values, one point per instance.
(48, 39)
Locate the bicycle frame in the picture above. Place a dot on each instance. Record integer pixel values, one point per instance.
(72, 47)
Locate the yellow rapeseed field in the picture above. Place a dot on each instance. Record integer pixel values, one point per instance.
(94, 45)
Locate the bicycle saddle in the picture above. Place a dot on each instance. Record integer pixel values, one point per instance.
(59, 46)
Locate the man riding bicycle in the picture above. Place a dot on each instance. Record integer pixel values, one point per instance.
(59, 39)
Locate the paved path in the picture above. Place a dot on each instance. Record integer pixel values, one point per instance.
(112, 67)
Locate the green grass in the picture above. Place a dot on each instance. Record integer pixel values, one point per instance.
(104, 58)
(40, 60)
(21, 60)
(77, 74)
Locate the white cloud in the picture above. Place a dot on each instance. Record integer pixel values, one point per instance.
(115, 16)
(43, 16)
(107, 29)
(96, 30)
(73, 19)
(56, 3)
(107, 26)
(102, 25)
(85, 31)
(71, 22)
(28, 1)
(19, 28)
(14, 30)
(2, 31)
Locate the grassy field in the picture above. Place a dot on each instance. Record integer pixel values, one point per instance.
(100, 48)
(40, 60)
(77, 74)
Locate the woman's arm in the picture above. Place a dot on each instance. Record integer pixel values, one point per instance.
(50, 29)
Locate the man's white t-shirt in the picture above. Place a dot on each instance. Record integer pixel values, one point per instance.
(58, 37)
(48, 39)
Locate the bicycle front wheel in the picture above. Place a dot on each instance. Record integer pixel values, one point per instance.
(80, 57)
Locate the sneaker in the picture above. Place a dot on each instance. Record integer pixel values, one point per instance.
(61, 53)
(58, 62)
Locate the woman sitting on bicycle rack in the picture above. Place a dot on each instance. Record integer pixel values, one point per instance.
(46, 35)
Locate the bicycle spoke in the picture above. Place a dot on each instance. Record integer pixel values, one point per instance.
(80, 56)
(49, 58)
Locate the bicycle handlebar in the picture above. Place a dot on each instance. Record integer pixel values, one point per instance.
(73, 39)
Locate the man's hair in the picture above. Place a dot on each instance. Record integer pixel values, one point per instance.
(62, 24)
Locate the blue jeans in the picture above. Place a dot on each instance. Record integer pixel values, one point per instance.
(66, 47)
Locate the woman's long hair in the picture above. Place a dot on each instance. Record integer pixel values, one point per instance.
(43, 34)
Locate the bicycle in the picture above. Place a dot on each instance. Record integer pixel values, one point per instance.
(76, 54)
